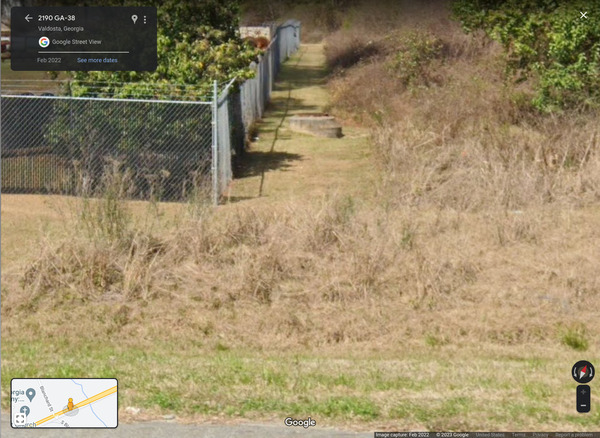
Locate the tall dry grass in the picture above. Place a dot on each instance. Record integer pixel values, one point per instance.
(335, 272)
(475, 236)
(450, 129)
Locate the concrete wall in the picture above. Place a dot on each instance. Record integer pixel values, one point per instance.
(264, 30)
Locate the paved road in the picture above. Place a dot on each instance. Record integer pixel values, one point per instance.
(173, 429)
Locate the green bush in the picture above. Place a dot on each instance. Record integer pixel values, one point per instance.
(197, 43)
(415, 52)
(546, 40)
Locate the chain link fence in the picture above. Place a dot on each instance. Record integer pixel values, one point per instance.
(66, 145)
(164, 149)
(256, 92)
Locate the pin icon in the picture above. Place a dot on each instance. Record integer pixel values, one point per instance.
(134, 18)
(25, 410)
(30, 393)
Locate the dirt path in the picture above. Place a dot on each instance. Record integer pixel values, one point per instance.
(284, 165)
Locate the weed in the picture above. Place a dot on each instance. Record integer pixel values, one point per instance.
(434, 340)
(166, 400)
(411, 61)
(408, 237)
(575, 337)
(107, 216)
(221, 347)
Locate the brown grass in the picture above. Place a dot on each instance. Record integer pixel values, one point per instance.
(452, 132)
(483, 237)
(475, 211)
(344, 49)
(318, 19)
(334, 272)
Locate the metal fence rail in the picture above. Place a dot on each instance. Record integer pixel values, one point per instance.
(166, 150)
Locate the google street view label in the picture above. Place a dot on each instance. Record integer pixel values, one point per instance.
(67, 403)
(78, 38)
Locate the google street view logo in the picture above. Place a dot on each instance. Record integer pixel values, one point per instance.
(44, 42)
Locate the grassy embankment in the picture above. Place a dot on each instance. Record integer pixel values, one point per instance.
(439, 276)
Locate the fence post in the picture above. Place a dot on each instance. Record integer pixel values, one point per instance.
(215, 144)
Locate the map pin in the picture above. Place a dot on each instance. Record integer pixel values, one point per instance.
(30, 393)
(25, 410)
(134, 18)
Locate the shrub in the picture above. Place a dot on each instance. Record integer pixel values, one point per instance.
(414, 53)
(547, 40)
(197, 43)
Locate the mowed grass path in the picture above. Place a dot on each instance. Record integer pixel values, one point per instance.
(285, 165)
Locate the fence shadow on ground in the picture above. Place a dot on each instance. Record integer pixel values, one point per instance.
(300, 76)
(281, 107)
(255, 163)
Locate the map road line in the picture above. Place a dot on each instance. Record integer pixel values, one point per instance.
(87, 401)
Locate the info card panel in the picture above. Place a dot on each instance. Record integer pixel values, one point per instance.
(83, 38)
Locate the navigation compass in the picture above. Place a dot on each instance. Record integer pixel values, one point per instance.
(583, 371)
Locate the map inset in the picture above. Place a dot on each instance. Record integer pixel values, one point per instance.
(74, 403)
